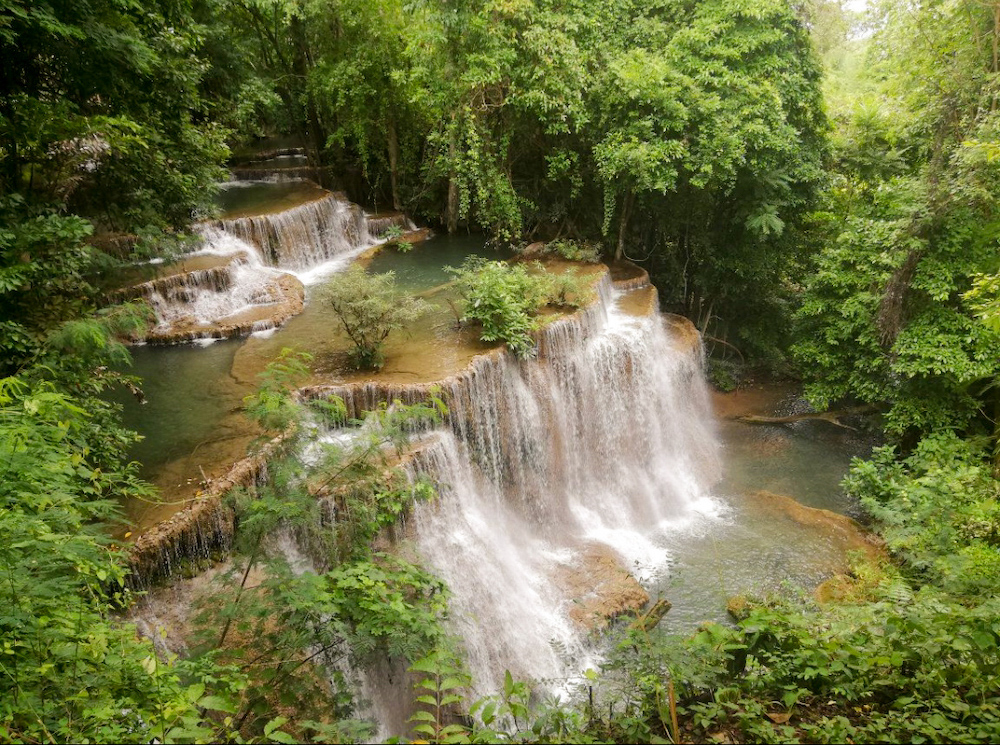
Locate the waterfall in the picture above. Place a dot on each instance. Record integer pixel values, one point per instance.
(304, 236)
(593, 453)
(379, 223)
(605, 440)
(252, 289)
(208, 295)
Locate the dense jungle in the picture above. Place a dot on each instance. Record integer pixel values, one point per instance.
(812, 185)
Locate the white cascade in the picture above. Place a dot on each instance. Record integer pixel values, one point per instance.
(605, 441)
(304, 236)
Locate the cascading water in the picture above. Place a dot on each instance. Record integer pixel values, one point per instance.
(603, 445)
(304, 236)
(256, 287)
(208, 295)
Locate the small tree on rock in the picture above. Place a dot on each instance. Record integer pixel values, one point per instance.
(370, 307)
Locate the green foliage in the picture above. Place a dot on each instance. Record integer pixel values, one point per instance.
(288, 621)
(689, 134)
(515, 714)
(569, 289)
(99, 110)
(902, 667)
(370, 308)
(909, 226)
(938, 511)
(588, 253)
(391, 233)
(439, 694)
(44, 263)
(70, 673)
(505, 299)
(272, 405)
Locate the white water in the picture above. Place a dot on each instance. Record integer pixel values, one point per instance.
(311, 242)
(305, 236)
(204, 299)
(607, 440)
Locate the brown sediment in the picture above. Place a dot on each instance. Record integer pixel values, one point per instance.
(845, 534)
(297, 194)
(750, 399)
(419, 235)
(641, 302)
(600, 588)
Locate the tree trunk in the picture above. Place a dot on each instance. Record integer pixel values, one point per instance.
(452, 220)
(302, 63)
(393, 145)
(623, 225)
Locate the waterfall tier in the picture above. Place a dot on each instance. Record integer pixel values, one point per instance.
(251, 287)
(306, 235)
(237, 296)
(601, 446)
(555, 477)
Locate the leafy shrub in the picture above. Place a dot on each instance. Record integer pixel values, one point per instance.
(569, 290)
(937, 511)
(587, 252)
(370, 307)
(505, 299)
(392, 232)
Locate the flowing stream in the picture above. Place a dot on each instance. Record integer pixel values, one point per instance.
(604, 445)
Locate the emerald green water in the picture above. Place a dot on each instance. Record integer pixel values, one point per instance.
(243, 198)
(192, 423)
(753, 546)
(424, 266)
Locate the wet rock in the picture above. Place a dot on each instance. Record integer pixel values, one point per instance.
(600, 588)
(279, 301)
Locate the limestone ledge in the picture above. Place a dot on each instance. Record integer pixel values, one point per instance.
(202, 528)
(287, 296)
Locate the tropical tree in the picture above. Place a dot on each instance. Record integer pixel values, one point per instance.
(370, 307)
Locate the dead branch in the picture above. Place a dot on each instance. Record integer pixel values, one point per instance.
(833, 417)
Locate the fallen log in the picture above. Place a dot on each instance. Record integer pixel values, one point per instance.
(648, 620)
(833, 417)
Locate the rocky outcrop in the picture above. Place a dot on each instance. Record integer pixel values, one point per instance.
(600, 588)
(382, 222)
(279, 175)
